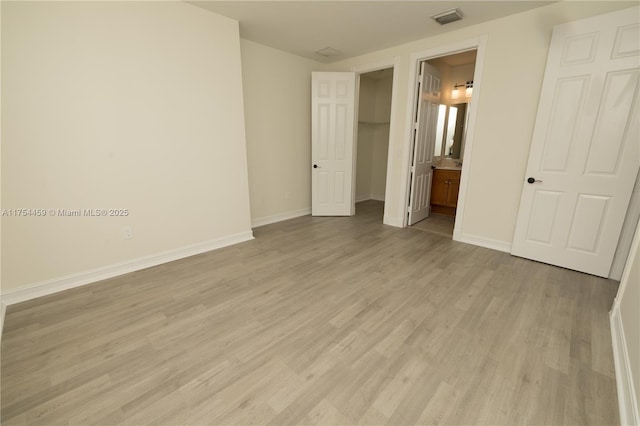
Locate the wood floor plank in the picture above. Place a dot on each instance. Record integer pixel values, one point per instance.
(319, 321)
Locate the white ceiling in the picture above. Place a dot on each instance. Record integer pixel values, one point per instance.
(352, 27)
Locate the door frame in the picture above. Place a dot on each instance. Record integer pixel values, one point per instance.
(393, 63)
(479, 44)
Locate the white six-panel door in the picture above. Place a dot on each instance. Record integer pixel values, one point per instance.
(423, 143)
(585, 151)
(332, 143)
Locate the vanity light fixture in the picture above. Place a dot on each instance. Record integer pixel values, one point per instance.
(469, 91)
(455, 93)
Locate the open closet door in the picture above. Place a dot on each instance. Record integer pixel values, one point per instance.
(424, 137)
(585, 152)
(333, 107)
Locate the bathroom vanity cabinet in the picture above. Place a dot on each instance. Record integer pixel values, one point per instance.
(444, 191)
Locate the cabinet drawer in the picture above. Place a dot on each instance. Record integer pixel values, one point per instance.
(446, 174)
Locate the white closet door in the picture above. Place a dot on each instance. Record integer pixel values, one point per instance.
(332, 140)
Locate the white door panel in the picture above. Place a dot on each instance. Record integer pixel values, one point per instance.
(423, 144)
(585, 151)
(332, 140)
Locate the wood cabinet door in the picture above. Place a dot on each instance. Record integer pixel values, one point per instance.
(452, 194)
(439, 189)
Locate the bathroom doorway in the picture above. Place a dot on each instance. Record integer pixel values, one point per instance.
(456, 92)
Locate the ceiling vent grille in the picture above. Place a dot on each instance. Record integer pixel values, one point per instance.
(329, 52)
(448, 16)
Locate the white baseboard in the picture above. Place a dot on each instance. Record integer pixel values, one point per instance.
(627, 402)
(261, 221)
(87, 277)
(482, 241)
(360, 198)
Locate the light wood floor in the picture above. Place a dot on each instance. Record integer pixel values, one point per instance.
(437, 223)
(329, 321)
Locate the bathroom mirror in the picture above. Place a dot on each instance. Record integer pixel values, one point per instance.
(450, 130)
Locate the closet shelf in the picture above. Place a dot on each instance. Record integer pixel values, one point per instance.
(373, 123)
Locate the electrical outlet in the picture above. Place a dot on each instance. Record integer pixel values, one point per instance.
(287, 195)
(127, 233)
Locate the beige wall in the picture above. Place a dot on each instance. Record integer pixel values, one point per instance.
(379, 158)
(374, 110)
(364, 161)
(626, 235)
(382, 112)
(628, 299)
(515, 58)
(379, 155)
(630, 315)
(366, 131)
(277, 98)
(367, 99)
(118, 105)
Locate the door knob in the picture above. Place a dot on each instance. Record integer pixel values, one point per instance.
(315, 166)
(533, 180)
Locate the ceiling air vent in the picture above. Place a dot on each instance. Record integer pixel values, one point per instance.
(329, 52)
(448, 16)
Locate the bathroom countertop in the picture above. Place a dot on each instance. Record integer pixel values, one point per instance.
(447, 164)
